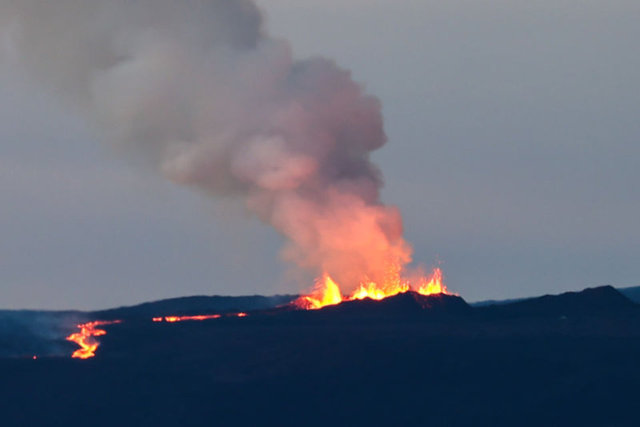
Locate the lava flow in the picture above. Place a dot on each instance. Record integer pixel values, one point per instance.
(327, 291)
(173, 319)
(85, 338)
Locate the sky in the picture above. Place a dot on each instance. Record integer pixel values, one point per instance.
(513, 143)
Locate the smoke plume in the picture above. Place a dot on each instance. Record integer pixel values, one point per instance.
(201, 89)
(26, 333)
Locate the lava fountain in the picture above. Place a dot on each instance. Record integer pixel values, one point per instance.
(327, 291)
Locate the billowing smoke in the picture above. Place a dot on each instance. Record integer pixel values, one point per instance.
(200, 88)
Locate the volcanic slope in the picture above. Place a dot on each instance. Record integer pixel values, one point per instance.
(589, 302)
(364, 363)
(195, 305)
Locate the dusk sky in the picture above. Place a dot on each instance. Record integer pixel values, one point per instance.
(513, 148)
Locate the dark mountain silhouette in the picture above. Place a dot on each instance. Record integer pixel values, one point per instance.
(487, 302)
(563, 360)
(43, 332)
(591, 301)
(196, 305)
(404, 304)
(632, 293)
(588, 301)
(27, 332)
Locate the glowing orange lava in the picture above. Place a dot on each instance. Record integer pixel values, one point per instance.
(85, 338)
(327, 291)
(432, 286)
(174, 319)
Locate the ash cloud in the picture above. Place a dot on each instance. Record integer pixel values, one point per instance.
(201, 89)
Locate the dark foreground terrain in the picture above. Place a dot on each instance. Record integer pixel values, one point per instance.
(569, 360)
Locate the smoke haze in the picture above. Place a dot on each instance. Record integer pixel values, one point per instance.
(217, 104)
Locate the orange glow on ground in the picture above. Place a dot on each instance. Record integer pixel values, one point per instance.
(85, 338)
(174, 319)
(327, 291)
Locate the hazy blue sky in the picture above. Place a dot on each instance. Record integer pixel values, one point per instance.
(514, 144)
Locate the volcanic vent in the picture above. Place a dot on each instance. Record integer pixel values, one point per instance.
(327, 292)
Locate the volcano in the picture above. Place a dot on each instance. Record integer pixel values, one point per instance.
(406, 304)
(408, 359)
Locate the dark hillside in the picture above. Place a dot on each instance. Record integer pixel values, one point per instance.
(409, 360)
(195, 305)
(591, 301)
(632, 293)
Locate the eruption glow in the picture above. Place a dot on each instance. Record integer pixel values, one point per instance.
(174, 319)
(327, 292)
(85, 338)
(217, 104)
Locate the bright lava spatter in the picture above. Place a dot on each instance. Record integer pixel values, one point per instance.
(327, 291)
(86, 338)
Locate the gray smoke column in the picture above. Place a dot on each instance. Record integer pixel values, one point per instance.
(219, 105)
